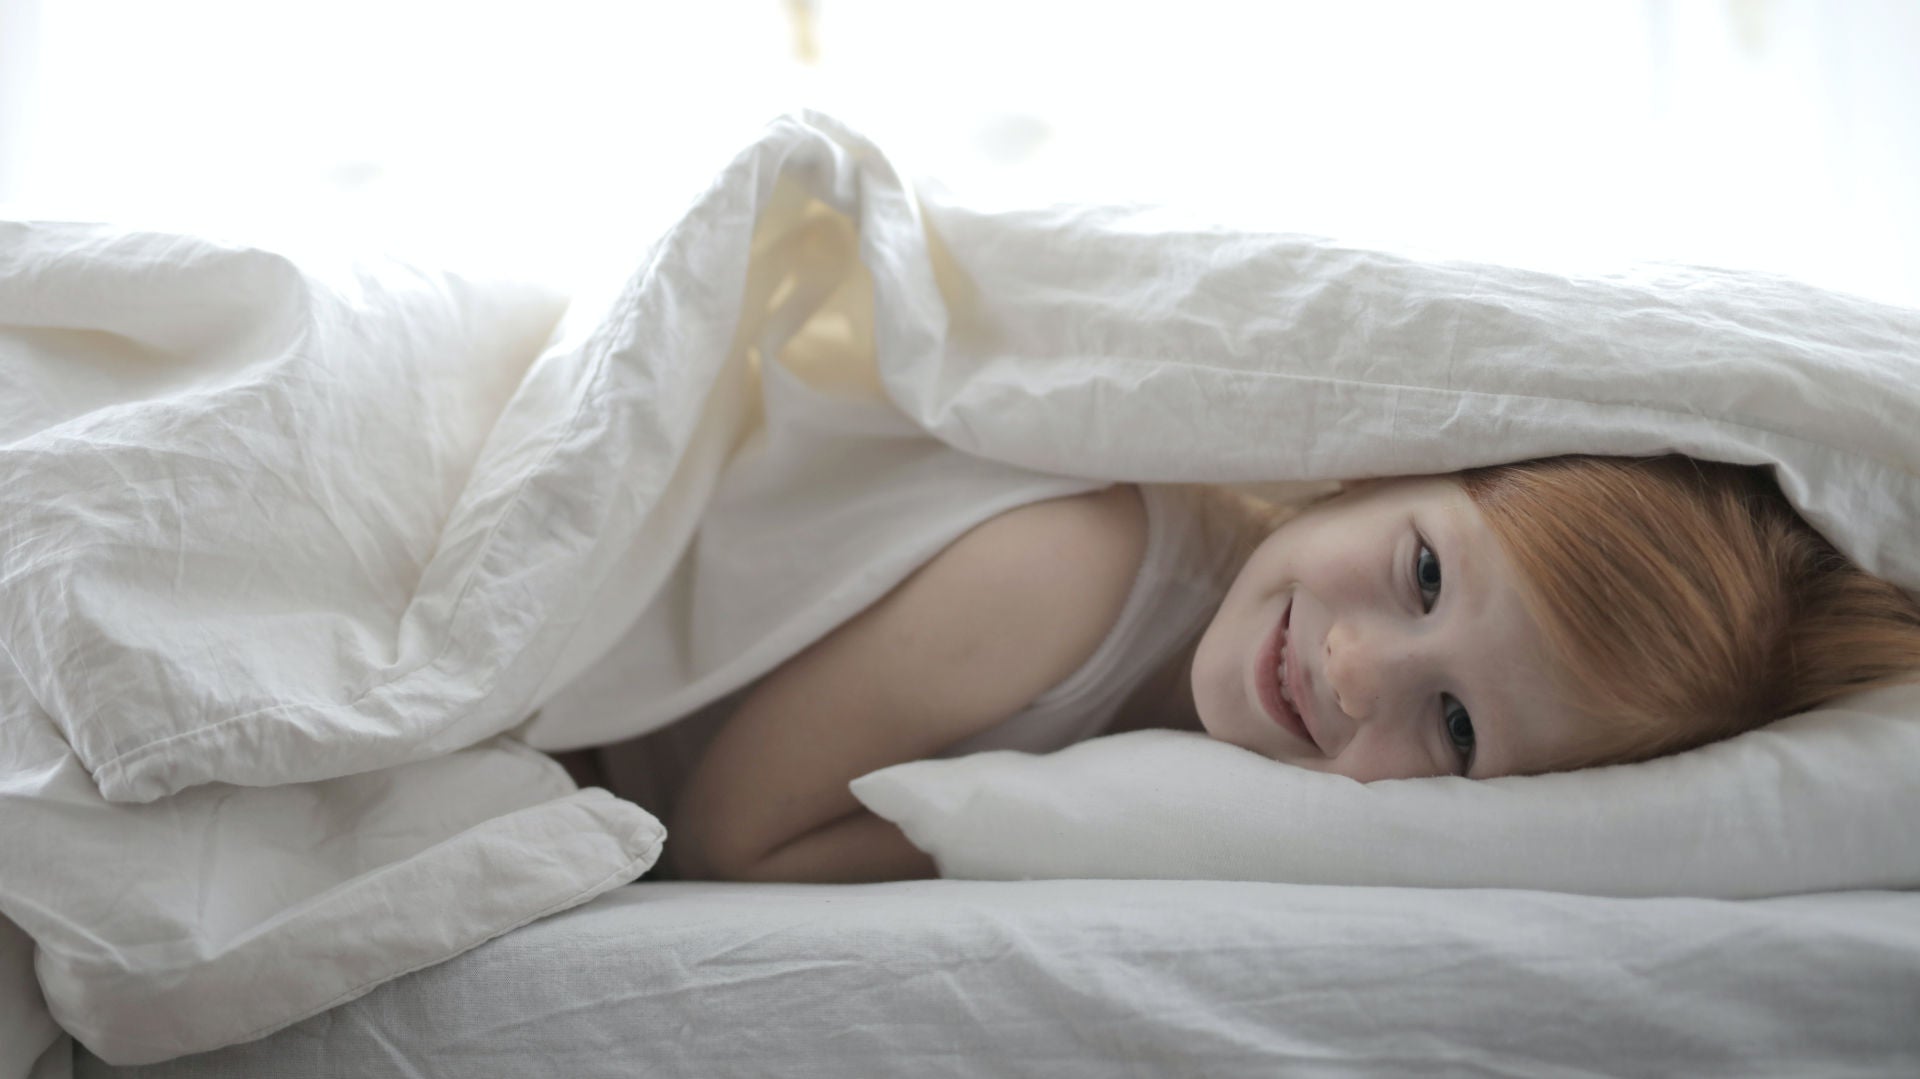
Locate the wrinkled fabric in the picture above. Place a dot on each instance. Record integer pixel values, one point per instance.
(223, 913)
(1090, 979)
(487, 564)
(303, 557)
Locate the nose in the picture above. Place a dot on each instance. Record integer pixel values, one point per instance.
(1356, 668)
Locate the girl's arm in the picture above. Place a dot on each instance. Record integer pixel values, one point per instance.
(996, 619)
(857, 848)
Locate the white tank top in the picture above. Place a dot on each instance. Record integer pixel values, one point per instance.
(1180, 582)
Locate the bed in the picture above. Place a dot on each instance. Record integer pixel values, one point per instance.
(1135, 978)
(310, 568)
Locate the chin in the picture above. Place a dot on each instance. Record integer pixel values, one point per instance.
(1230, 731)
(1215, 693)
(1211, 729)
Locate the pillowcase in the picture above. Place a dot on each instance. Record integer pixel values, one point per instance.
(1816, 802)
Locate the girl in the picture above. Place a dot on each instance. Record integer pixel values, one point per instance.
(1509, 620)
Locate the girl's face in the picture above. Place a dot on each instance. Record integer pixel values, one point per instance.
(1406, 648)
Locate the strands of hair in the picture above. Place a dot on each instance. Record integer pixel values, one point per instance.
(1686, 601)
(1683, 601)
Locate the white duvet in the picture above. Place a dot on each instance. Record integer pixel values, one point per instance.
(292, 550)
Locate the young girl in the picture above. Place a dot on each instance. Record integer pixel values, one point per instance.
(1509, 620)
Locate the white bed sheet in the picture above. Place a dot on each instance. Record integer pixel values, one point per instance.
(1072, 978)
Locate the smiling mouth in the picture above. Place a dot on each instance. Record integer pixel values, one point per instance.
(1273, 695)
(1294, 682)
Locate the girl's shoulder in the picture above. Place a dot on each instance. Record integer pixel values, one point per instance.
(1053, 574)
(1015, 604)
(998, 617)
(1107, 527)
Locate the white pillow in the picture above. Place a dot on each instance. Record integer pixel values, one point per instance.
(1816, 802)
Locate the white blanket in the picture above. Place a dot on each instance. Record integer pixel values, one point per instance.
(290, 547)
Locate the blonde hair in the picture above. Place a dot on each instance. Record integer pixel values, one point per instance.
(1686, 601)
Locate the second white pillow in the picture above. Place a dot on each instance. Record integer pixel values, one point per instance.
(1777, 811)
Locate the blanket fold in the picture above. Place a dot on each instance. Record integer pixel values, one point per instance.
(301, 558)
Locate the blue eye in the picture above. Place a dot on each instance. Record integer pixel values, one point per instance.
(1426, 575)
(1459, 729)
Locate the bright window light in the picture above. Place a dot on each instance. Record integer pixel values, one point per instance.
(1764, 134)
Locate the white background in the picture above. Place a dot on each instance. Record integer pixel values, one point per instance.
(541, 137)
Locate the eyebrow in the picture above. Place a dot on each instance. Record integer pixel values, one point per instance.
(1453, 560)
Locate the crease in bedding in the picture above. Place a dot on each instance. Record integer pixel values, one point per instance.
(306, 559)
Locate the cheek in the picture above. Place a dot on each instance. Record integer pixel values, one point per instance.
(1213, 653)
(1378, 754)
(1355, 571)
(1270, 567)
(1242, 596)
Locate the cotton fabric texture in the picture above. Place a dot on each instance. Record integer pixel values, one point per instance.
(1098, 979)
(293, 549)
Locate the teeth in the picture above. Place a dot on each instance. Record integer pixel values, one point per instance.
(1285, 693)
